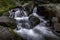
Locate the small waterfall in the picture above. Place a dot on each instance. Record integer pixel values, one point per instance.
(40, 17)
(21, 17)
(39, 32)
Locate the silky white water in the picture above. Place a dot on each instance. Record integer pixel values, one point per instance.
(39, 32)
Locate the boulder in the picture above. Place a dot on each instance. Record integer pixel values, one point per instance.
(34, 20)
(29, 7)
(7, 34)
(56, 24)
(49, 11)
(7, 22)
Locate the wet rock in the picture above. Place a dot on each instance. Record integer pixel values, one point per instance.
(34, 20)
(29, 6)
(8, 34)
(56, 24)
(7, 22)
(41, 1)
(49, 11)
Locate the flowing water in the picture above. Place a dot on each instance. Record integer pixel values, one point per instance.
(39, 32)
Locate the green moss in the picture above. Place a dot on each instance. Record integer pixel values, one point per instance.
(5, 14)
(5, 5)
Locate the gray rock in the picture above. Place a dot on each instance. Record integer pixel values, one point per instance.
(49, 11)
(28, 6)
(7, 22)
(5, 34)
(34, 20)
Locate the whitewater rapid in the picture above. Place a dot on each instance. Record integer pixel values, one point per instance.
(39, 32)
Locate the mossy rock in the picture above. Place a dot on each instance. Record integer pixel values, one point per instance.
(8, 34)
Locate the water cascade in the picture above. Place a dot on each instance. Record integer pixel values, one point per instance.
(39, 32)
